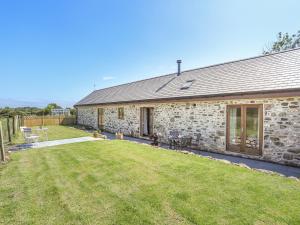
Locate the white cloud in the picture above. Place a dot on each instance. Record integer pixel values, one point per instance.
(108, 78)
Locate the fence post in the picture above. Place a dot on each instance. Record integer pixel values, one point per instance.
(8, 130)
(22, 121)
(16, 124)
(2, 150)
(13, 126)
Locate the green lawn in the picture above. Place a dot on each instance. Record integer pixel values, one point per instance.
(54, 133)
(118, 182)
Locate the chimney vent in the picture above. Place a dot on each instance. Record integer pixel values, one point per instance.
(178, 64)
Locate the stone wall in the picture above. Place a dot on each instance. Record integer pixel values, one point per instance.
(130, 125)
(205, 121)
(88, 116)
(282, 130)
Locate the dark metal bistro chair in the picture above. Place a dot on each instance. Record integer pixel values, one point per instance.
(173, 139)
(185, 142)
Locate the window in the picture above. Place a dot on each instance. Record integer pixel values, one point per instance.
(121, 113)
(187, 84)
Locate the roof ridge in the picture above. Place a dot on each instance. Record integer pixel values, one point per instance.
(244, 59)
(199, 68)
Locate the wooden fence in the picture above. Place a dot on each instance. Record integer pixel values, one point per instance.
(9, 127)
(31, 121)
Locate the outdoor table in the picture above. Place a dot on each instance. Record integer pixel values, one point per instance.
(179, 141)
(43, 130)
(174, 141)
(31, 139)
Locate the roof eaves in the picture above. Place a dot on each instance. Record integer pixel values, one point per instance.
(200, 96)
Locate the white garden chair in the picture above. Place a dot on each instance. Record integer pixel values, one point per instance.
(29, 136)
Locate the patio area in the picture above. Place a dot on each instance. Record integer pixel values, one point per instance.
(44, 144)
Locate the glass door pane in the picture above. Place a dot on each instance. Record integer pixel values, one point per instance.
(235, 128)
(252, 130)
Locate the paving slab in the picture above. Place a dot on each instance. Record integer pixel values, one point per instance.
(53, 143)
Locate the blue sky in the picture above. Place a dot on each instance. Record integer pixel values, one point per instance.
(57, 50)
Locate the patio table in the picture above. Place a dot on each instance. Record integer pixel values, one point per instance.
(43, 130)
(179, 141)
(31, 139)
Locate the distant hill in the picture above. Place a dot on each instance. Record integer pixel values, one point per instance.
(40, 104)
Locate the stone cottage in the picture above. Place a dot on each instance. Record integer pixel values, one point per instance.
(248, 107)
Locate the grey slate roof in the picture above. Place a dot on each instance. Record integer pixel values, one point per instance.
(274, 72)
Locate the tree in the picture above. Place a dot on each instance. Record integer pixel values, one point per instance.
(283, 42)
(73, 111)
(51, 106)
(22, 111)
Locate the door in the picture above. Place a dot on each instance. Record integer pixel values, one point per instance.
(101, 118)
(245, 129)
(146, 121)
(234, 128)
(150, 121)
(142, 121)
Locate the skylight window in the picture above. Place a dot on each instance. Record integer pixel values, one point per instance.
(187, 84)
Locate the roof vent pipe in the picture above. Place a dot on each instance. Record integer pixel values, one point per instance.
(178, 64)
